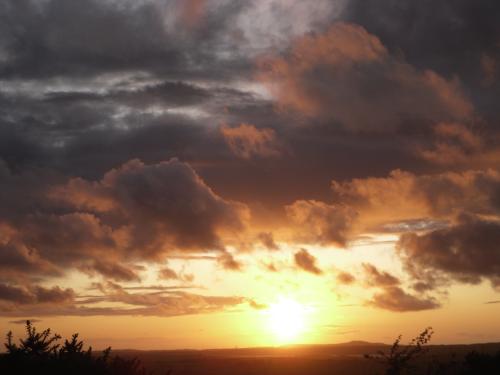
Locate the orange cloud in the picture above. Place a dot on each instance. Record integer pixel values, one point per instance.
(404, 195)
(319, 222)
(192, 11)
(246, 141)
(345, 278)
(307, 262)
(347, 75)
(394, 298)
(458, 145)
(379, 278)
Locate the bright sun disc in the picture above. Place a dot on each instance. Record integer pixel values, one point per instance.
(286, 319)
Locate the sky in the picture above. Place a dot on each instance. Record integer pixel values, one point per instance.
(229, 173)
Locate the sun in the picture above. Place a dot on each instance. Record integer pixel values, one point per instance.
(287, 319)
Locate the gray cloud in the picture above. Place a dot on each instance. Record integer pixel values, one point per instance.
(368, 84)
(377, 278)
(465, 252)
(35, 295)
(393, 298)
(58, 302)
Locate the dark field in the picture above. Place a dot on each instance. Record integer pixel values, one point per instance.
(322, 359)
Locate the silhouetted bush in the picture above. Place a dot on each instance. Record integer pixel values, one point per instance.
(39, 354)
(398, 358)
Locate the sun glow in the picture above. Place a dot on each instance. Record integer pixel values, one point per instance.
(287, 319)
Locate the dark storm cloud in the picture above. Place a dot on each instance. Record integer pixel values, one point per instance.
(136, 212)
(449, 36)
(72, 127)
(89, 37)
(452, 37)
(465, 252)
(168, 94)
(164, 203)
(88, 87)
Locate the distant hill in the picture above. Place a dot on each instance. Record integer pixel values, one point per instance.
(331, 359)
(357, 346)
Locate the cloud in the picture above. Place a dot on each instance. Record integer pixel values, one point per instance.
(377, 278)
(393, 298)
(347, 75)
(464, 252)
(427, 38)
(111, 270)
(393, 21)
(271, 267)
(456, 144)
(321, 223)
(307, 262)
(35, 295)
(256, 305)
(227, 261)
(161, 302)
(164, 206)
(23, 321)
(93, 37)
(167, 274)
(404, 195)
(16, 257)
(345, 278)
(489, 67)
(193, 11)
(98, 98)
(267, 240)
(401, 202)
(135, 213)
(246, 141)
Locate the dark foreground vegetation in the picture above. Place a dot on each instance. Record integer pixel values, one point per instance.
(42, 353)
(411, 358)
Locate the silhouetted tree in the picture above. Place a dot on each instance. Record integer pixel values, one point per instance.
(399, 356)
(40, 354)
(35, 344)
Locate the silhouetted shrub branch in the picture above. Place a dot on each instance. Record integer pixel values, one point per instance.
(398, 358)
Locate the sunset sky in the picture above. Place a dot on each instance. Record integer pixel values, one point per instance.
(222, 173)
